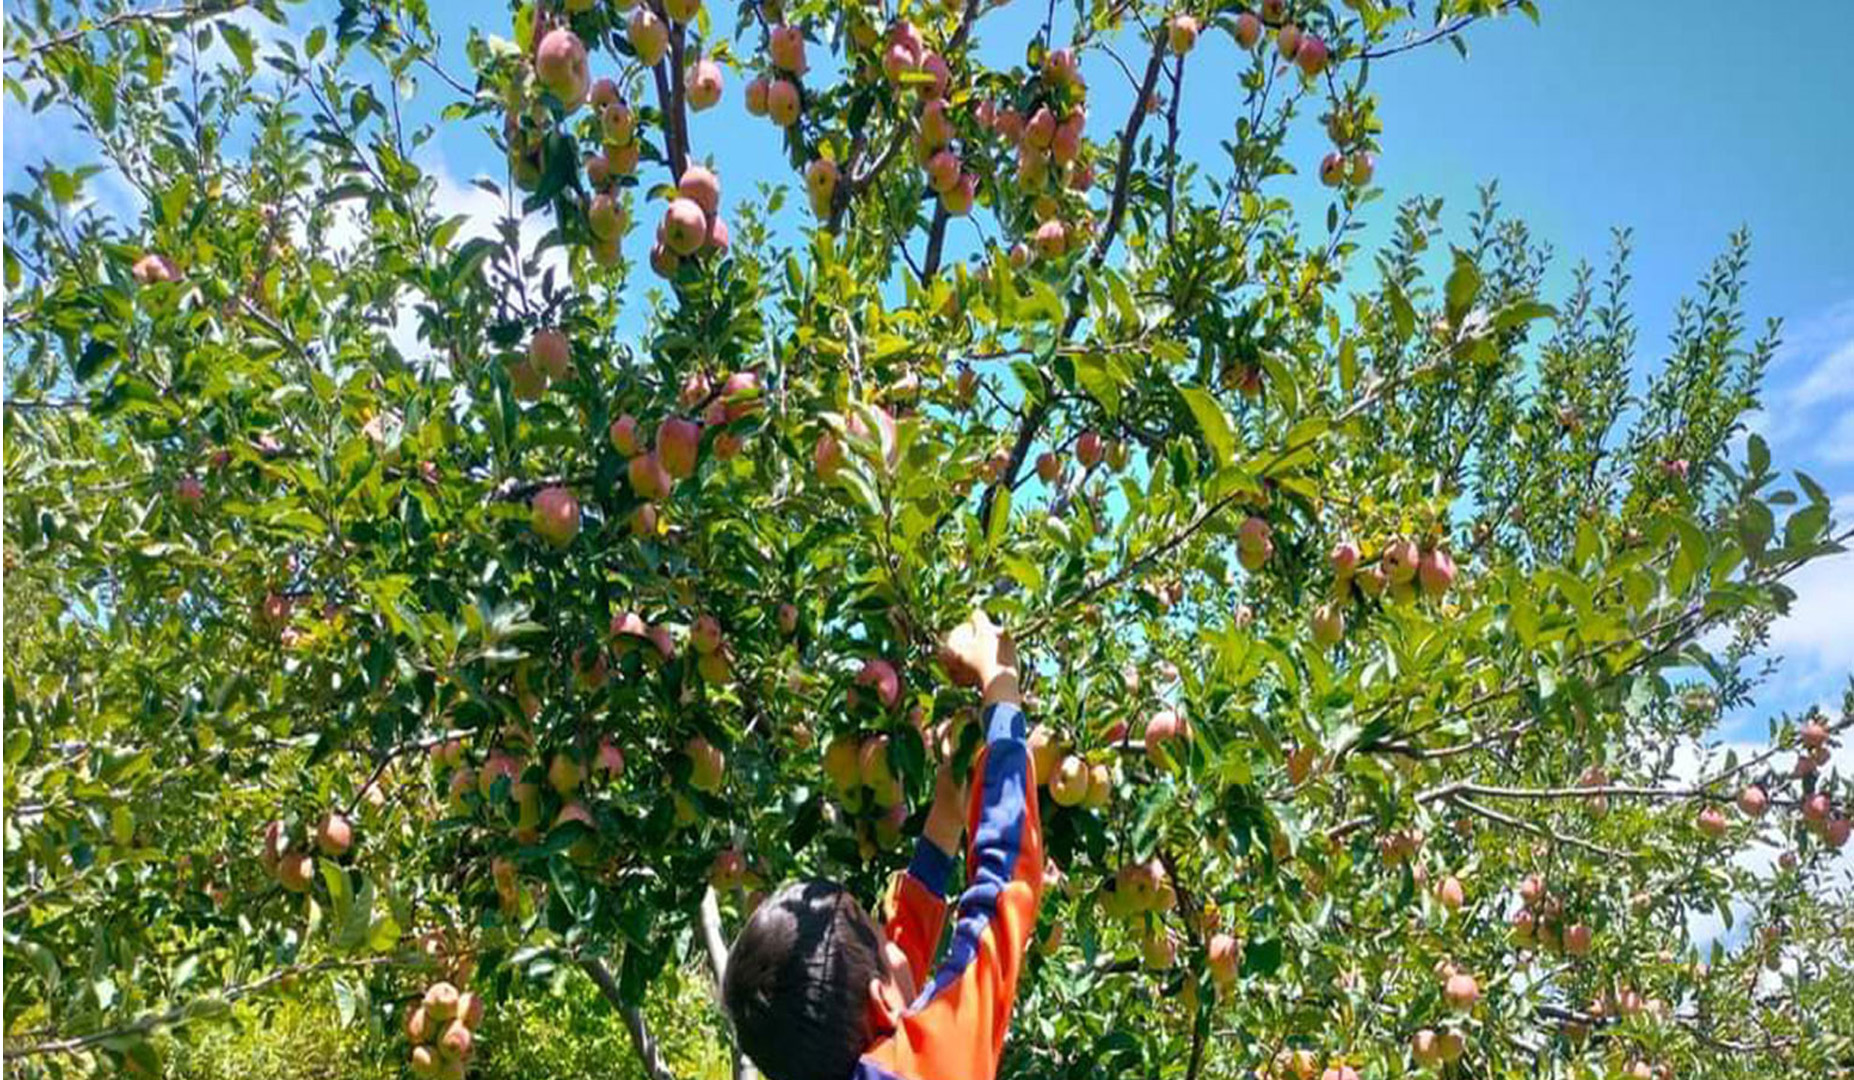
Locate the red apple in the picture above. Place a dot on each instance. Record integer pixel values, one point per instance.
(1752, 801)
(1162, 727)
(782, 103)
(649, 479)
(560, 67)
(555, 515)
(881, 675)
(1436, 572)
(1311, 55)
(1248, 30)
(787, 48)
(333, 836)
(1461, 991)
(702, 84)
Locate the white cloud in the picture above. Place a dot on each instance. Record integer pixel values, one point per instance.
(1838, 447)
(1816, 638)
(1816, 361)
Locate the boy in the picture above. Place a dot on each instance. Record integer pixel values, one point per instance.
(818, 991)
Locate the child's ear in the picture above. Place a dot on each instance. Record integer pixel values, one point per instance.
(885, 1004)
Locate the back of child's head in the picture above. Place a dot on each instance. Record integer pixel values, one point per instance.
(797, 985)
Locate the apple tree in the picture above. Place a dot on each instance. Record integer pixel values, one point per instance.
(437, 608)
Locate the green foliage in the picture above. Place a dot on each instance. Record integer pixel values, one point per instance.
(280, 465)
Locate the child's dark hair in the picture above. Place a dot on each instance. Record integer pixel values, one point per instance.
(797, 985)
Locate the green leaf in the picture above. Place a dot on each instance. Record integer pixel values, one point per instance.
(1212, 422)
(1464, 284)
(1522, 312)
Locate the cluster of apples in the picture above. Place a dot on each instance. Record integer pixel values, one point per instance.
(153, 268)
(776, 96)
(1091, 449)
(907, 56)
(549, 360)
(1541, 921)
(692, 224)
(828, 454)
(287, 858)
(1050, 156)
(1071, 780)
(1139, 889)
(1819, 815)
(860, 775)
(652, 472)
(441, 1026)
(566, 773)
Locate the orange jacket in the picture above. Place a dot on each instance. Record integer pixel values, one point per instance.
(955, 1029)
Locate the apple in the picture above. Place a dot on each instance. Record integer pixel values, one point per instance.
(1181, 34)
(1835, 833)
(1450, 893)
(728, 870)
(527, 382)
(1332, 169)
(1712, 822)
(787, 48)
(1248, 30)
(1040, 131)
(419, 1027)
(1401, 560)
(1223, 957)
(936, 128)
(152, 268)
(1452, 1045)
(1051, 239)
(604, 93)
(441, 1002)
(1299, 1064)
(1162, 727)
(623, 159)
(564, 774)
(1461, 991)
(1339, 1071)
(1089, 449)
(1048, 467)
(1362, 166)
(678, 442)
(685, 227)
(1532, 890)
(1577, 939)
(1436, 572)
(1815, 808)
(666, 645)
(1065, 146)
(617, 123)
(560, 67)
(295, 871)
(1328, 625)
(333, 836)
(934, 65)
(608, 762)
(624, 432)
(705, 635)
(1287, 39)
(1814, 735)
(555, 515)
(1061, 68)
(756, 96)
(455, 1043)
(1311, 55)
(881, 675)
(1069, 786)
(469, 1010)
(1100, 787)
(708, 763)
(461, 781)
(424, 1063)
(1524, 925)
(1158, 950)
(648, 477)
(683, 11)
(842, 762)
(782, 103)
(943, 171)
(604, 217)
(702, 187)
(1752, 801)
(648, 36)
(1426, 1049)
(497, 766)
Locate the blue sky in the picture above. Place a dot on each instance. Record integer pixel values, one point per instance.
(1681, 119)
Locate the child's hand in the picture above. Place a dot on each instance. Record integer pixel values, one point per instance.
(976, 653)
(946, 818)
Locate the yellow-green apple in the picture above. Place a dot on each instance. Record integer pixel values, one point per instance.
(1100, 786)
(1328, 625)
(455, 1043)
(1287, 40)
(617, 123)
(1450, 893)
(821, 185)
(1181, 34)
(604, 217)
(1069, 786)
(564, 774)
(1332, 169)
(1362, 166)
(555, 515)
(424, 1063)
(707, 764)
(441, 1002)
(648, 36)
(842, 762)
(683, 11)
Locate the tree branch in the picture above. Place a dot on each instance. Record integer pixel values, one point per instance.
(715, 939)
(169, 18)
(641, 1039)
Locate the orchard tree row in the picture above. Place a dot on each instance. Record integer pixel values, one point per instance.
(433, 610)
